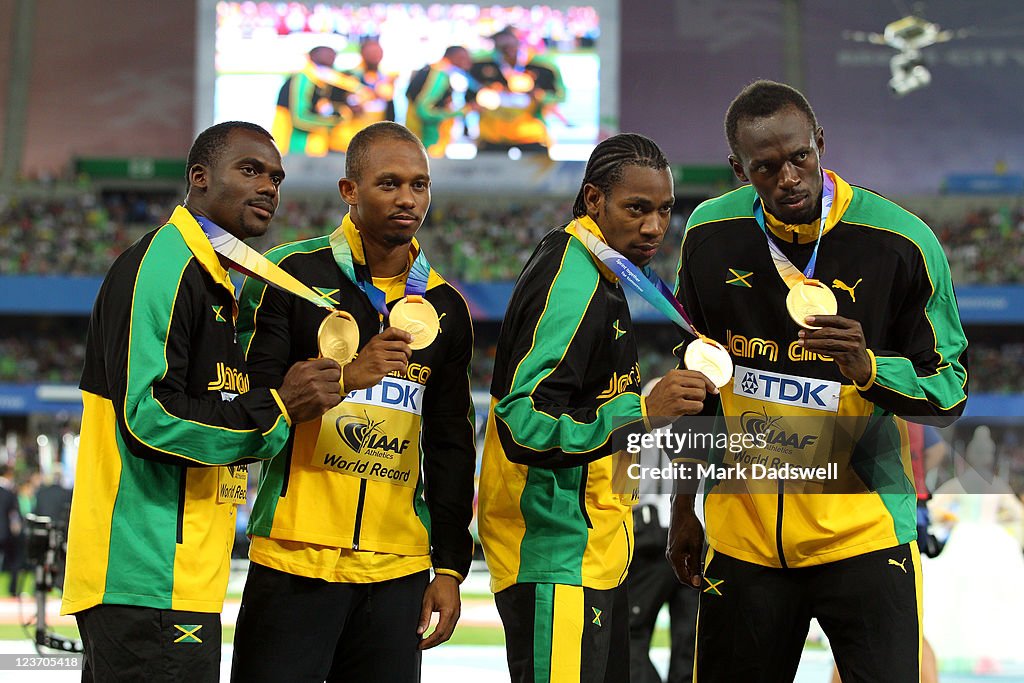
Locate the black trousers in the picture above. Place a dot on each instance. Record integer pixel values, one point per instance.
(293, 628)
(127, 643)
(753, 620)
(652, 584)
(557, 633)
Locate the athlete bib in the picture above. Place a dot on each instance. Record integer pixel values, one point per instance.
(787, 422)
(374, 434)
(232, 483)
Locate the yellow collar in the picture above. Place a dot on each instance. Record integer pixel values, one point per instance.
(355, 241)
(200, 246)
(588, 224)
(805, 233)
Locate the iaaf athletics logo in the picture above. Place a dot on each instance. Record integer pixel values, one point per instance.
(365, 435)
(233, 470)
(775, 436)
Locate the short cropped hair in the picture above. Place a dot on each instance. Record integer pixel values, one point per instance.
(359, 148)
(761, 99)
(210, 144)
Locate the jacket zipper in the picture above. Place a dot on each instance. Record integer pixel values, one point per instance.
(182, 489)
(359, 514)
(583, 497)
(778, 526)
(286, 475)
(629, 553)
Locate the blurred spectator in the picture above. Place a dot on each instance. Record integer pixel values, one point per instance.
(79, 234)
(986, 246)
(10, 521)
(473, 239)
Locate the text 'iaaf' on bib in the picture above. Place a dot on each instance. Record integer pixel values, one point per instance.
(374, 434)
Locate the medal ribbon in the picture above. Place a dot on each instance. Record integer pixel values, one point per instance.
(789, 273)
(359, 273)
(250, 262)
(644, 282)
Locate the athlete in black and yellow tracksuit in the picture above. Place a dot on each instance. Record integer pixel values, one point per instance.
(519, 119)
(168, 409)
(557, 535)
(782, 548)
(369, 497)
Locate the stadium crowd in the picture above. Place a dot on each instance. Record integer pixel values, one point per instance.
(986, 246)
(79, 232)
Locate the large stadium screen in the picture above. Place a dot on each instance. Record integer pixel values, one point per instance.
(471, 80)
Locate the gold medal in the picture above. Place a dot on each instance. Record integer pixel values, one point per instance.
(708, 356)
(489, 99)
(417, 316)
(810, 297)
(338, 337)
(520, 82)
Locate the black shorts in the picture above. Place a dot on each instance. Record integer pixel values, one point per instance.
(565, 634)
(753, 620)
(294, 628)
(128, 643)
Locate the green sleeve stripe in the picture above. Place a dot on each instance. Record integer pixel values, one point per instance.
(568, 299)
(531, 431)
(147, 420)
(944, 388)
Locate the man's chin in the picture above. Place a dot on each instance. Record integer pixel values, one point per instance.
(259, 230)
(796, 217)
(397, 240)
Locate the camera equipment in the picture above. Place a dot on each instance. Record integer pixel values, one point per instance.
(47, 548)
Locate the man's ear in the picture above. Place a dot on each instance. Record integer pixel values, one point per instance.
(737, 168)
(198, 177)
(819, 140)
(348, 190)
(593, 199)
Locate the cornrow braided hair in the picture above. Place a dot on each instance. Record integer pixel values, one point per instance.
(604, 168)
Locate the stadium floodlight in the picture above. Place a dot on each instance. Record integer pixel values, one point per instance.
(908, 36)
(913, 33)
(908, 73)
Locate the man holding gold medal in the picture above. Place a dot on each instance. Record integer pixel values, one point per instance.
(363, 503)
(838, 309)
(555, 504)
(170, 419)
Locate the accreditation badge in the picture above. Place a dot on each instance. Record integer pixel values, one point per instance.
(784, 422)
(374, 434)
(232, 484)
